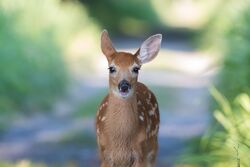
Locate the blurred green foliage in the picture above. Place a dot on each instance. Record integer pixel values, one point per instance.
(27, 163)
(162, 93)
(227, 142)
(90, 106)
(32, 70)
(35, 36)
(229, 34)
(131, 17)
(23, 163)
(80, 138)
(229, 146)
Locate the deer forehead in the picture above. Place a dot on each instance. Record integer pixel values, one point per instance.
(124, 60)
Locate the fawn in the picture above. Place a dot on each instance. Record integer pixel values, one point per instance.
(127, 121)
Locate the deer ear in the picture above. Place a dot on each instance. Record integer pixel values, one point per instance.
(149, 49)
(106, 45)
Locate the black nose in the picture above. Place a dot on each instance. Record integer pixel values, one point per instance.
(124, 86)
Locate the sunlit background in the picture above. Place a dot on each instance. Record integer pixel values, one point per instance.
(53, 77)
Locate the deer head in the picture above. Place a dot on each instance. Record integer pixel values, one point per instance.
(124, 67)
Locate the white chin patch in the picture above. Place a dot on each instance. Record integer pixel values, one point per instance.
(123, 94)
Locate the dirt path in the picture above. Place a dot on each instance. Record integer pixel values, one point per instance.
(37, 138)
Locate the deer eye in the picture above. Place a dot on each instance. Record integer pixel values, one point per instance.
(136, 70)
(112, 70)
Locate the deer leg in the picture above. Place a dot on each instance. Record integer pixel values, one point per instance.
(151, 163)
(104, 164)
(139, 156)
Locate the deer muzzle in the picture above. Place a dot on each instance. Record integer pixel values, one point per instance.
(124, 86)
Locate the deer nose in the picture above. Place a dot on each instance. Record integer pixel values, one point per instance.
(124, 86)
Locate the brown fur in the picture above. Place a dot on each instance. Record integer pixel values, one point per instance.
(126, 128)
(122, 138)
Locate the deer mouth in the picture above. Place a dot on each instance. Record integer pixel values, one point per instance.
(124, 87)
(124, 91)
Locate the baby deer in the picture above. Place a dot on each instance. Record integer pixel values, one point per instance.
(127, 121)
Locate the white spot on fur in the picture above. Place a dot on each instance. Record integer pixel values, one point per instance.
(139, 102)
(141, 118)
(155, 131)
(156, 128)
(151, 112)
(150, 155)
(102, 106)
(103, 118)
(149, 95)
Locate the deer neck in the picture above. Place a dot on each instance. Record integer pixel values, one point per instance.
(122, 120)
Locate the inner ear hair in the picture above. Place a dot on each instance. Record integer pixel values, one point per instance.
(149, 48)
(136, 55)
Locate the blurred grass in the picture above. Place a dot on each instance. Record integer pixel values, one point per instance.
(23, 163)
(227, 34)
(228, 145)
(27, 163)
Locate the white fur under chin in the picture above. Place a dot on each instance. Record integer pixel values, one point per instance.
(117, 93)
